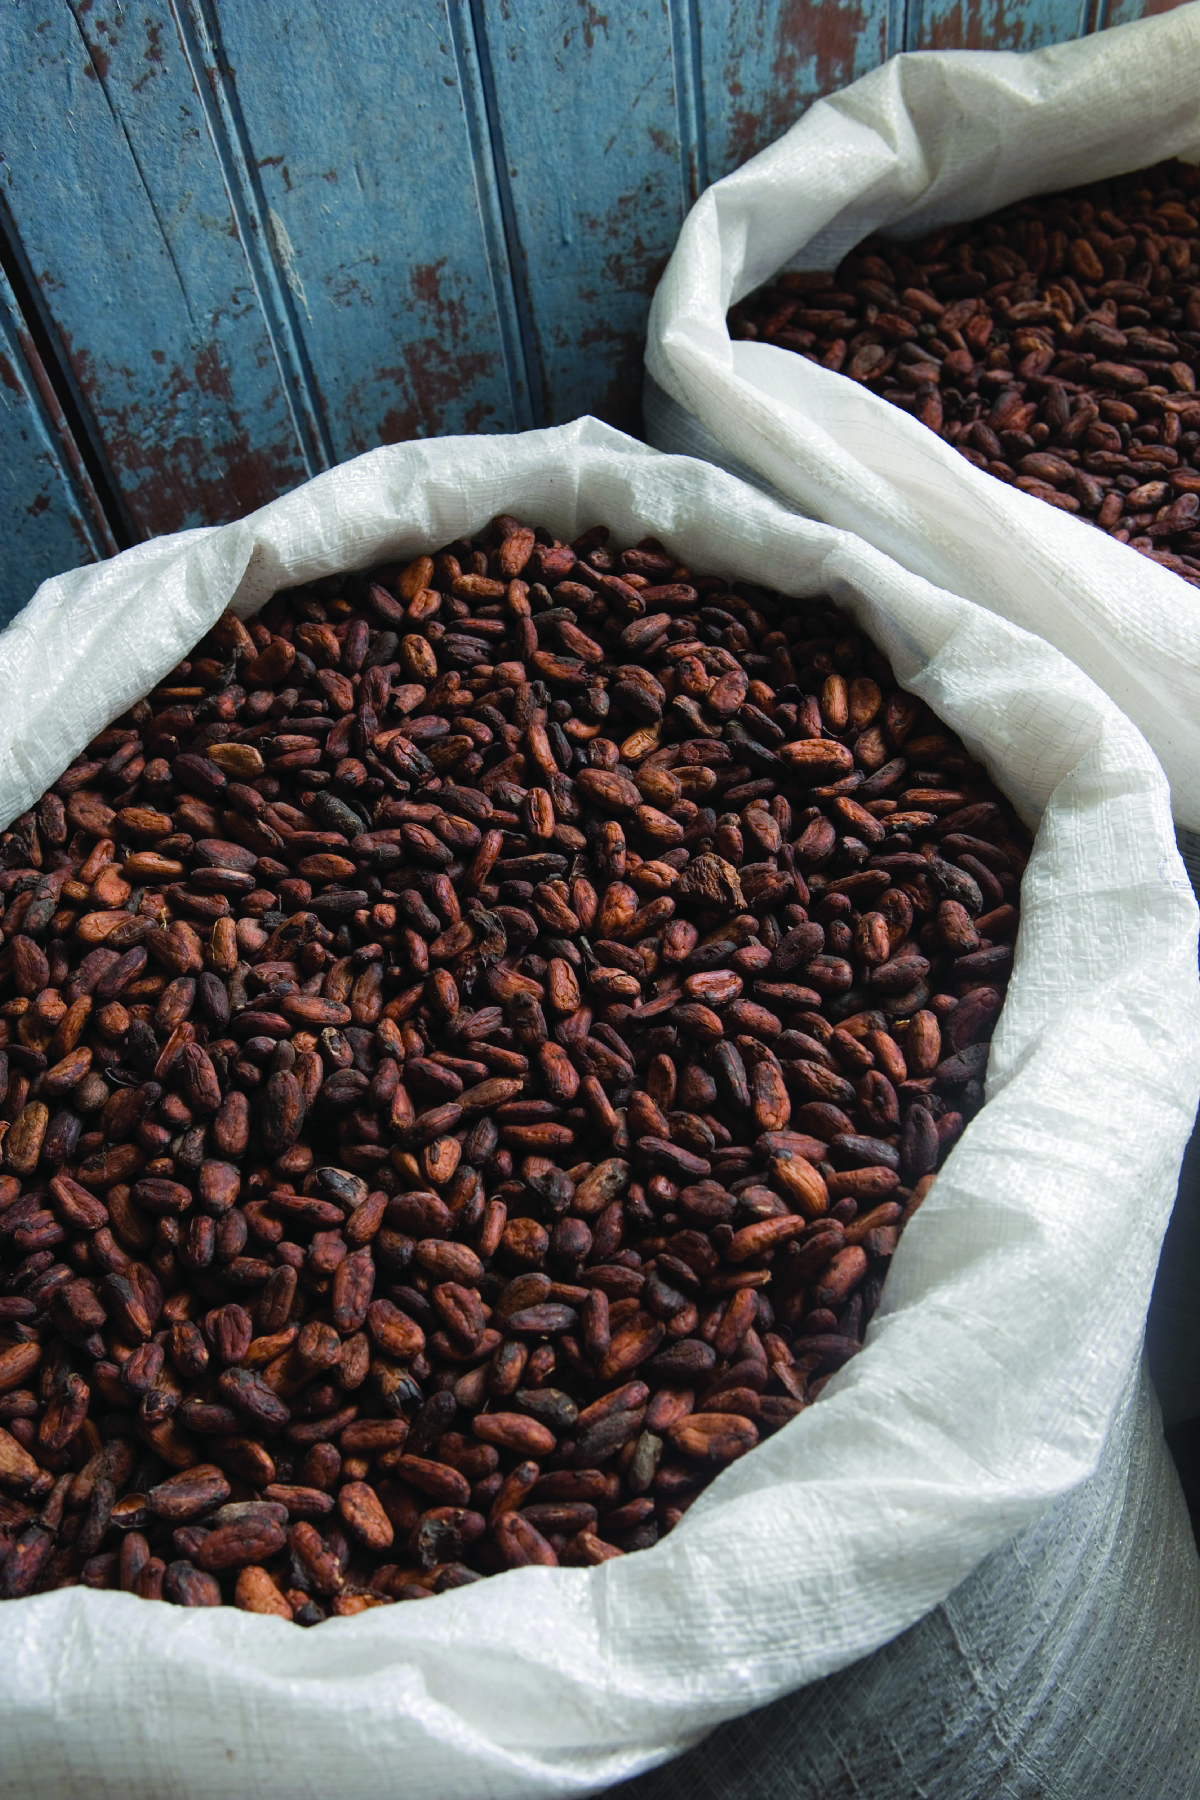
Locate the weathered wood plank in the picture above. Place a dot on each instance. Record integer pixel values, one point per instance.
(995, 24)
(266, 250)
(765, 62)
(586, 116)
(1124, 12)
(51, 516)
(119, 202)
(369, 138)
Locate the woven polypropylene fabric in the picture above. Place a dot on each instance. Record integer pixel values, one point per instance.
(1012, 1317)
(1173, 1325)
(1065, 1668)
(923, 141)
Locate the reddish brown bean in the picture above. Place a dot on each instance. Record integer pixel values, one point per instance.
(508, 1096)
(1057, 356)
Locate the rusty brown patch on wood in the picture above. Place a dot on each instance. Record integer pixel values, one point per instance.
(591, 22)
(815, 49)
(97, 66)
(162, 453)
(436, 377)
(976, 26)
(212, 377)
(436, 372)
(79, 533)
(426, 282)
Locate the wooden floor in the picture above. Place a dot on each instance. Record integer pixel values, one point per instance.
(246, 239)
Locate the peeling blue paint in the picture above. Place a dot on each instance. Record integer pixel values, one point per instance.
(50, 525)
(268, 238)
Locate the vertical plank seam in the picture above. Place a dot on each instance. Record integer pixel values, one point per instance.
(898, 26)
(486, 160)
(689, 100)
(41, 399)
(134, 158)
(497, 209)
(199, 37)
(913, 23)
(1095, 16)
(61, 392)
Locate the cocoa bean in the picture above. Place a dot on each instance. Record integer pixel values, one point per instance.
(438, 1131)
(1056, 356)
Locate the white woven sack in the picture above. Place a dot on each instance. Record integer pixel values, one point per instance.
(1065, 1667)
(1173, 1323)
(924, 141)
(1011, 1320)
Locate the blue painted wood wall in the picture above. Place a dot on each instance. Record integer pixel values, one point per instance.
(246, 239)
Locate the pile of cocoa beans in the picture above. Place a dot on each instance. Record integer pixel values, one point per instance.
(1054, 343)
(470, 1041)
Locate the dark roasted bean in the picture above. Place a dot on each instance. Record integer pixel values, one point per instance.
(1026, 341)
(554, 1093)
